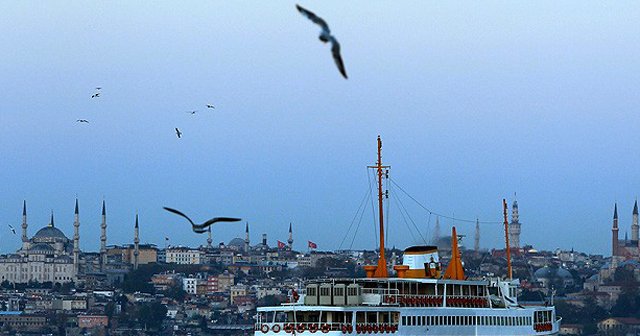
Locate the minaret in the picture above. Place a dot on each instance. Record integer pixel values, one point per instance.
(246, 238)
(476, 242)
(25, 239)
(436, 232)
(76, 241)
(290, 240)
(209, 239)
(514, 227)
(614, 231)
(634, 224)
(136, 241)
(51, 220)
(103, 238)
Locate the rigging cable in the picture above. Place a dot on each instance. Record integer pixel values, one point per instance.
(402, 208)
(362, 203)
(388, 207)
(373, 210)
(438, 214)
(355, 233)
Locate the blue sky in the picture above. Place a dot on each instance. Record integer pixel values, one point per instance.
(474, 101)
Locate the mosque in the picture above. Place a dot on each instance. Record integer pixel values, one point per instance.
(627, 248)
(48, 256)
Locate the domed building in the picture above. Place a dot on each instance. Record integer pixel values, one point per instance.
(48, 256)
(546, 276)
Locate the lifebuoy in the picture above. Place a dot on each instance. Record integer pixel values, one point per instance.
(288, 328)
(349, 328)
(344, 329)
(313, 328)
(325, 328)
(369, 328)
(300, 328)
(295, 296)
(264, 329)
(275, 328)
(358, 328)
(375, 328)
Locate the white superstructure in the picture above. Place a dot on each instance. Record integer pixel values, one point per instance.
(407, 307)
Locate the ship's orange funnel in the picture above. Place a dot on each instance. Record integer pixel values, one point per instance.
(454, 270)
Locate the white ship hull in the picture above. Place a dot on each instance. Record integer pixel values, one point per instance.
(419, 321)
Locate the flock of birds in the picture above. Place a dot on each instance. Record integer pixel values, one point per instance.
(325, 37)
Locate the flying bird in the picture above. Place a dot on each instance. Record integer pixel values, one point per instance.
(12, 229)
(178, 133)
(210, 106)
(325, 36)
(192, 112)
(82, 121)
(95, 95)
(202, 228)
(98, 88)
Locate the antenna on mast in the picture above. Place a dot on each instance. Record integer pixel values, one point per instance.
(506, 238)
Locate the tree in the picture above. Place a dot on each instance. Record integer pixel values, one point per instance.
(271, 300)
(151, 315)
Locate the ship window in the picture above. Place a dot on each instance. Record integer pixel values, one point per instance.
(424, 320)
(413, 320)
(404, 320)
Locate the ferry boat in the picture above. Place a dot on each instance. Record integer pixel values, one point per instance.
(420, 300)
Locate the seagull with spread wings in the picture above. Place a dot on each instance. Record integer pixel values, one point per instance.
(12, 229)
(178, 133)
(82, 121)
(202, 228)
(325, 36)
(210, 106)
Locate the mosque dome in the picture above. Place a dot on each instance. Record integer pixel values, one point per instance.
(42, 249)
(237, 242)
(49, 233)
(548, 272)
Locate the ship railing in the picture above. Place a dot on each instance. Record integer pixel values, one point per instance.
(322, 327)
(424, 300)
(377, 296)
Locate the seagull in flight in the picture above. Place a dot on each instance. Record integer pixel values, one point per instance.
(192, 112)
(82, 121)
(202, 228)
(325, 36)
(12, 229)
(178, 133)
(210, 106)
(98, 88)
(95, 95)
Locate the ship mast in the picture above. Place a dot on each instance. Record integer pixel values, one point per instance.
(379, 271)
(506, 238)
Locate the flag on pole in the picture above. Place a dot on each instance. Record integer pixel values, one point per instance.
(281, 245)
(312, 245)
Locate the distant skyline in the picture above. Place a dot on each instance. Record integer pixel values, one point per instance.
(474, 101)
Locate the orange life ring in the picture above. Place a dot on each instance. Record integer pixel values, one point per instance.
(325, 328)
(275, 328)
(313, 328)
(264, 329)
(288, 328)
(300, 328)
